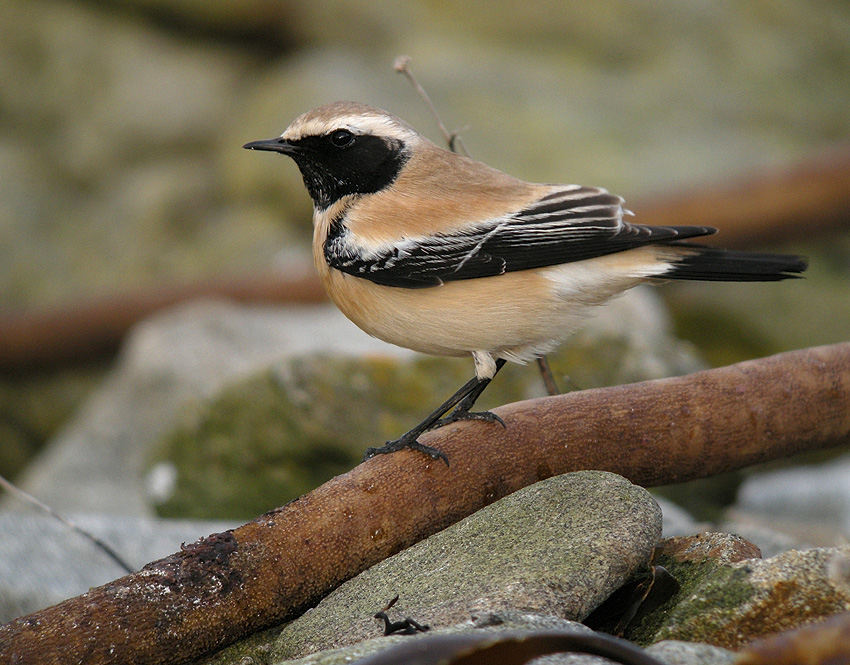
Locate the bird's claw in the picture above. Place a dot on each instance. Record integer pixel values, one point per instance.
(412, 443)
(456, 416)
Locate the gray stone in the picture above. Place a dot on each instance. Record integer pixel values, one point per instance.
(43, 562)
(674, 652)
(283, 431)
(670, 652)
(809, 503)
(96, 464)
(558, 547)
(514, 621)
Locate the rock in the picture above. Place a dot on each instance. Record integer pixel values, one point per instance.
(729, 605)
(276, 435)
(260, 649)
(821, 643)
(670, 652)
(558, 547)
(674, 652)
(43, 562)
(722, 548)
(97, 463)
(811, 503)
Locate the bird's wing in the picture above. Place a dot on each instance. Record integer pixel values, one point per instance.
(571, 223)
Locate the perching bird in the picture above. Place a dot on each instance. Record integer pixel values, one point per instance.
(436, 252)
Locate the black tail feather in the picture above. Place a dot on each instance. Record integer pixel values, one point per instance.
(722, 265)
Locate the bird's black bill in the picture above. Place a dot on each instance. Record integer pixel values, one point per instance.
(274, 145)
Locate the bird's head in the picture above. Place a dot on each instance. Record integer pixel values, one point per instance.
(344, 149)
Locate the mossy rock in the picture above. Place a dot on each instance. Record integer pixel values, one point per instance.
(728, 605)
(275, 436)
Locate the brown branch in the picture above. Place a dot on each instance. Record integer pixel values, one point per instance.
(232, 584)
(83, 331)
(767, 207)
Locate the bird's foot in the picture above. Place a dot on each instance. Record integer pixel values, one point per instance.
(406, 441)
(456, 416)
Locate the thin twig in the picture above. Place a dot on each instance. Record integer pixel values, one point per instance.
(453, 139)
(547, 376)
(111, 553)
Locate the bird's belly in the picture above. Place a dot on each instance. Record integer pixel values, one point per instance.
(519, 313)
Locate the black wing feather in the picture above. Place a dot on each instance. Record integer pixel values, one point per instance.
(572, 224)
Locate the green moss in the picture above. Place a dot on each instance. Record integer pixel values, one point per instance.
(254, 650)
(276, 436)
(709, 591)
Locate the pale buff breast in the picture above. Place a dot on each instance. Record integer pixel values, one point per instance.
(453, 319)
(517, 315)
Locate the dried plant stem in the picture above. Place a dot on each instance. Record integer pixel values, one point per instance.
(452, 139)
(100, 544)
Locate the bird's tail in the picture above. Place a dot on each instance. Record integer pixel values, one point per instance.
(722, 265)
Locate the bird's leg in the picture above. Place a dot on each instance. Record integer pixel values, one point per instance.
(461, 401)
(462, 410)
(547, 376)
(409, 439)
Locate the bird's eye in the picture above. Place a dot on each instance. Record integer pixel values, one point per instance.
(341, 138)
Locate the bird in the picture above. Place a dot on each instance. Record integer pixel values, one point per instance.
(434, 251)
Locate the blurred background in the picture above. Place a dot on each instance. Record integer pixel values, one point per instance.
(122, 121)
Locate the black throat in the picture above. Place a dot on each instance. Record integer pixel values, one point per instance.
(369, 165)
